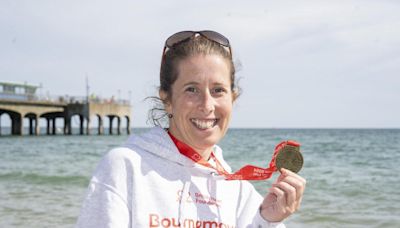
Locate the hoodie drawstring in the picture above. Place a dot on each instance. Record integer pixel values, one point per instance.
(184, 197)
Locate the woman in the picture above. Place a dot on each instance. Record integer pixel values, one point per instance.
(172, 177)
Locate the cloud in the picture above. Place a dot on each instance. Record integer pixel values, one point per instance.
(305, 53)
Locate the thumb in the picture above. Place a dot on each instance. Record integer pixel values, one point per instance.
(282, 175)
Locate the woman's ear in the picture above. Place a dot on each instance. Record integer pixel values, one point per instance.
(235, 94)
(165, 100)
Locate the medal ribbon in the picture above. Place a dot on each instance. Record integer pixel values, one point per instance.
(248, 172)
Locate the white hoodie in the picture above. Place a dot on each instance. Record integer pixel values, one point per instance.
(148, 183)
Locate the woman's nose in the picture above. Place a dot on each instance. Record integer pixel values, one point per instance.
(207, 104)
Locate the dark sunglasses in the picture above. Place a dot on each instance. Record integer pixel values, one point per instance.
(183, 36)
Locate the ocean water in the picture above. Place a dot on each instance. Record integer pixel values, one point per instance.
(352, 174)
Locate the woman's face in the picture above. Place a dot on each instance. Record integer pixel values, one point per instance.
(201, 101)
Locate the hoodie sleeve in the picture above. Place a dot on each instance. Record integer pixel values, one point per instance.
(250, 211)
(259, 222)
(103, 208)
(105, 204)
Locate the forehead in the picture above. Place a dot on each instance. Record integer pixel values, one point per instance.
(203, 68)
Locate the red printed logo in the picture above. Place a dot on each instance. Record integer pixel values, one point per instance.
(198, 198)
(156, 220)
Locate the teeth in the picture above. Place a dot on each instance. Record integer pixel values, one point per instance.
(204, 124)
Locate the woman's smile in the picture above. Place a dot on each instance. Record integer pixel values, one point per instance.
(204, 124)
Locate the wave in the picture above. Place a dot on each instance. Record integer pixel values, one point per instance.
(40, 179)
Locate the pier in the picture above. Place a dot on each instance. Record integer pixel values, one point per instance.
(20, 101)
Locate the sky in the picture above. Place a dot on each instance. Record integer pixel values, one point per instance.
(301, 64)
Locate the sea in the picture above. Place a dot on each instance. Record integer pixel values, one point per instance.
(352, 174)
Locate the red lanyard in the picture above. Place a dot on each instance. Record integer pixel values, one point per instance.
(248, 172)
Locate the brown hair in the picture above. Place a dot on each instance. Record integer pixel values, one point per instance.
(197, 45)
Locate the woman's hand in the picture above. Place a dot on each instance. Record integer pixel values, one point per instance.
(284, 196)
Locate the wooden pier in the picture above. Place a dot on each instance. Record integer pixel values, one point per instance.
(20, 101)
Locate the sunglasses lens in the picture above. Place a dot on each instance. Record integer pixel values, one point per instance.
(185, 35)
(178, 37)
(217, 37)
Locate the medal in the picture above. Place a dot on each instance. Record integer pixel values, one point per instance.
(289, 158)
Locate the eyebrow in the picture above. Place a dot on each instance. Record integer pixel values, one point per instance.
(190, 83)
(196, 83)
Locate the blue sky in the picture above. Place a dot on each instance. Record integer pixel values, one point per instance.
(301, 63)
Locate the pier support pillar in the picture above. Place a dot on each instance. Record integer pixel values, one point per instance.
(118, 125)
(101, 126)
(67, 125)
(47, 126)
(37, 127)
(88, 126)
(111, 124)
(128, 126)
(30, 126)
(16, 125)
(65, 129)
(81, 125)
(54, 126)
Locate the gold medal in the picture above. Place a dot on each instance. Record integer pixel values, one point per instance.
(289, 158)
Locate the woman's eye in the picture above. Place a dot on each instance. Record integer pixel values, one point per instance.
(219, 90)
(191, 89)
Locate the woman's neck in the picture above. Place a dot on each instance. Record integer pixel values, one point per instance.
(205, 153)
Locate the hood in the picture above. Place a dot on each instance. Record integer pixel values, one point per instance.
(157, 141)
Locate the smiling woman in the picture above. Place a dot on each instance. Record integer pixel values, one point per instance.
(176, 176)
(198, 87)
(201, 102)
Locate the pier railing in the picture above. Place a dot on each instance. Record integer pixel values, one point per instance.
(57, 99)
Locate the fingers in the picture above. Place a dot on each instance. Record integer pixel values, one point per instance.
(279, 193)
(296, 181)
(288, 195)
(284, 196)
(292, 185)
(279, 204)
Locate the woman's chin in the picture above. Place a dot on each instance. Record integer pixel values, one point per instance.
(206, 141)
(206, 134)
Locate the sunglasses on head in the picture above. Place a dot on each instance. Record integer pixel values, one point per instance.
(183, 36)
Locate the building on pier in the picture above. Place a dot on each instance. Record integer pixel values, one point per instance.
(20, 101)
